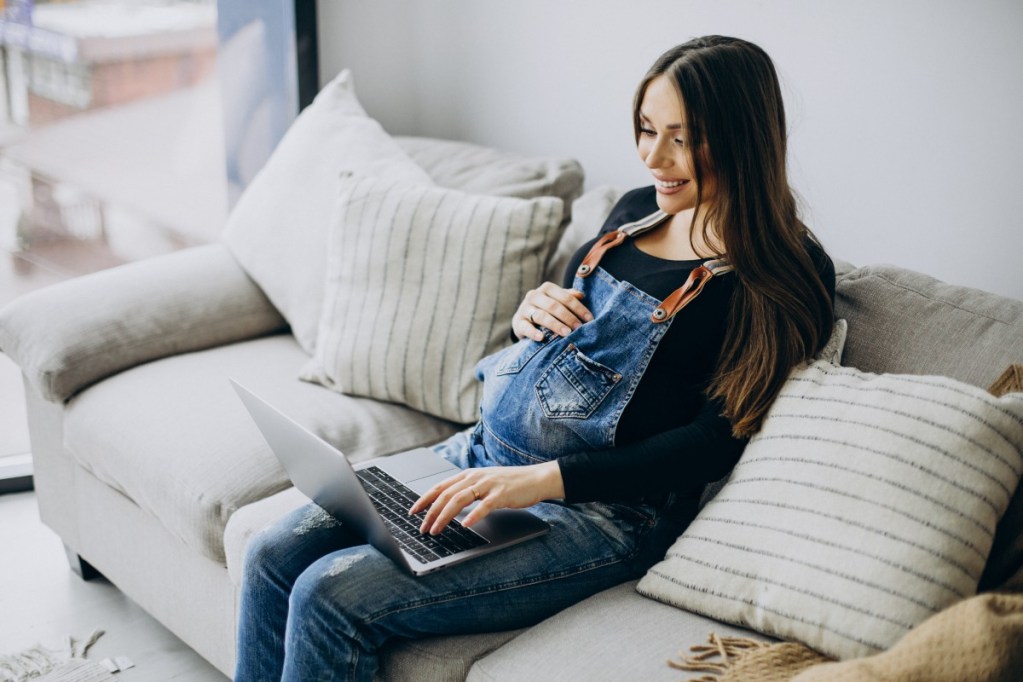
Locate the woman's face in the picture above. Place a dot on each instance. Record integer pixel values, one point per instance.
(664, 148)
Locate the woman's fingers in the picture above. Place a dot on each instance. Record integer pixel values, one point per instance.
(454, 506)
(568, 307)
(523, 328)
(513, 487)
(443, 502)
(556, 308)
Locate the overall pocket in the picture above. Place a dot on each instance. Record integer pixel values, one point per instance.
(574, 385)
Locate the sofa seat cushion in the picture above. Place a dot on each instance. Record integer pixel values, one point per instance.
(173, 437)
(615, 635)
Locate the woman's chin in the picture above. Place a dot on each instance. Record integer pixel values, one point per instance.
(672, 203)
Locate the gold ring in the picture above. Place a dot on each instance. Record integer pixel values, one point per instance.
(475, 494)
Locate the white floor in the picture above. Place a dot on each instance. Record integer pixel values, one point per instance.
(41, 600)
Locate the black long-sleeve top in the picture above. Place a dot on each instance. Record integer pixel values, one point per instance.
(670, 437)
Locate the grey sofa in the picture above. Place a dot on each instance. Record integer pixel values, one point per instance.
(150, 471)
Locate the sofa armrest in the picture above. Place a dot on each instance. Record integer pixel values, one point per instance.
(72, 334)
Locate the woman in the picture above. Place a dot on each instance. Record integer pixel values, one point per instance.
(634, 385)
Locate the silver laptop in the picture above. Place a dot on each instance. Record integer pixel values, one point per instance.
(374, 497)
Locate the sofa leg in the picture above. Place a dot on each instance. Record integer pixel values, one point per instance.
(83, 568)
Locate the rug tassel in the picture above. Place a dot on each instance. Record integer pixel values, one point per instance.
(728, 649)
(80, 648)
(39, 660)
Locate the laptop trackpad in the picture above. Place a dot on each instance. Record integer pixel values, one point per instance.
(419, 469)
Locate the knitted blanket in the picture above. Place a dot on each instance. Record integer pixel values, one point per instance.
(979, 639)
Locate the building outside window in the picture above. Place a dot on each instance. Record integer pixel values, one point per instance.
(111, 147)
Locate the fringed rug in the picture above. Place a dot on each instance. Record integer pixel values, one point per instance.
(65, 663)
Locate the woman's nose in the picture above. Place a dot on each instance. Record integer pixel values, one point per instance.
(656, 157)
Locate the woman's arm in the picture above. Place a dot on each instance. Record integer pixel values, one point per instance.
(684, 458)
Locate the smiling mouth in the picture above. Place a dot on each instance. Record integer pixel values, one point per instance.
(668, 186)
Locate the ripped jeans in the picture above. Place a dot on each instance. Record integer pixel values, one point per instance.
(317, 604)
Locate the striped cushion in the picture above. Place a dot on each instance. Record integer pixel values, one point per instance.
(278, 229)
(422, 283)
(865, 504)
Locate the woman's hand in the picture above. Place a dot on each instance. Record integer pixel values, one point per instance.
(513, 487)
(550, 306)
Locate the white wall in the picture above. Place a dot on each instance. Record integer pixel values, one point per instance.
(905, 134)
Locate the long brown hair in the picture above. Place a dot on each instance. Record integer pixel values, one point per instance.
(781, 311)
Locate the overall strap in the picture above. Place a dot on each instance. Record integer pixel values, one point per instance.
(681, 297)
(676, 300)
(613, 239)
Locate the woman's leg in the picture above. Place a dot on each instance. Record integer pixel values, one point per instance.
(274, 558)
(348, 604)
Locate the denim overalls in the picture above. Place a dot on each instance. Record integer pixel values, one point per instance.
(564, 395)
(319, 604)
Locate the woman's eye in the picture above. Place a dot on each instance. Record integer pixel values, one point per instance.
(680, 142)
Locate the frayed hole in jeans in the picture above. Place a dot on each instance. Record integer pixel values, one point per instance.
(313, 519)
(343, 563)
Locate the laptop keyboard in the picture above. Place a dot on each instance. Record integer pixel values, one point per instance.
(393, 500)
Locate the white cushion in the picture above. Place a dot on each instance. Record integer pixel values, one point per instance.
(278, 229)
(422, 284)
(866, 503)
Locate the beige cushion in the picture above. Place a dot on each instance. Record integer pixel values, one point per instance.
(614, 636)
(422, 283)
(278, 228)
(865, 504)
(173, 437)
(484, 170)
(910, 323)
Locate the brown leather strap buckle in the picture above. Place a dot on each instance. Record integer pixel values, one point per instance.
(608, 241)
(681, 297)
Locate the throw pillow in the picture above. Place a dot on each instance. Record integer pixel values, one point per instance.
(278, 229)
(421, 284)
(865, 504)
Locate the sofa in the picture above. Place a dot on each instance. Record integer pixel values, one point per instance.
(151, 472)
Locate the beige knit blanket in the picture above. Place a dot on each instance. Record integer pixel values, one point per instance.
(980, 639)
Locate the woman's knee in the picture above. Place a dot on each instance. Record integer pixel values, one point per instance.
(354, 585)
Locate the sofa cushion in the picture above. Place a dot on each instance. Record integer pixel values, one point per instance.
(612, 636)
(910, 323)
(173, 437)
(422, 283)
(864, 505)
(278, 228)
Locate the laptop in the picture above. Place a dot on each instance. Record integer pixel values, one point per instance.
(374, 497)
